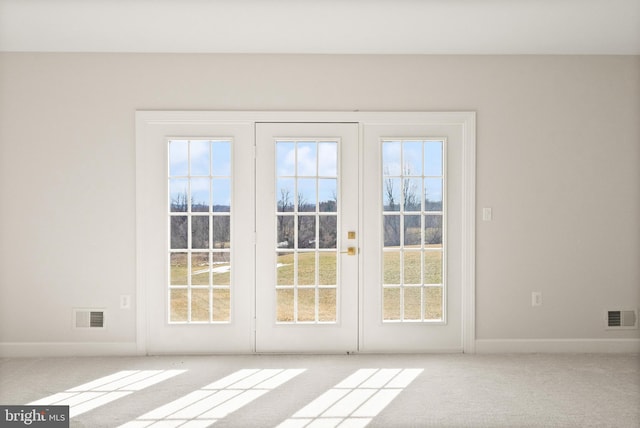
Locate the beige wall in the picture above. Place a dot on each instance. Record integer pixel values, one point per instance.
(558, 145)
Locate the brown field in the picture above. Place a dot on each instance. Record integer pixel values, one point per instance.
(404, 302)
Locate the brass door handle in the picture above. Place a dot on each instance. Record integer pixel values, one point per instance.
(351, 251)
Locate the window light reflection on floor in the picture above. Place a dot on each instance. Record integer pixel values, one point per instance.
(106, 389)
(205, 406)
(355, 401)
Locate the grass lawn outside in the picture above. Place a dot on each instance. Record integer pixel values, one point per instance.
(412, 286)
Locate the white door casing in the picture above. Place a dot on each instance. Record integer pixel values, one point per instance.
(156, 335)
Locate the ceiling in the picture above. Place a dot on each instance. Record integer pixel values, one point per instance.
(323, 26)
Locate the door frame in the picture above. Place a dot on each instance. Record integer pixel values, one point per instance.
(149, 122)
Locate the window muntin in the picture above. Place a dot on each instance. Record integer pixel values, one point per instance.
(307, 224)
(413, 217)
(199, 208)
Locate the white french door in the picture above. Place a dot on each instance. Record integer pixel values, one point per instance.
(413, 218)
(307, 200)
(305, 232)
(195, 216)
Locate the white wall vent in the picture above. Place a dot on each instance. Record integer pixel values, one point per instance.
(622, 319)
(89, 318)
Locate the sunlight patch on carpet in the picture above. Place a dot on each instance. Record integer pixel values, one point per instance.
(355, 401)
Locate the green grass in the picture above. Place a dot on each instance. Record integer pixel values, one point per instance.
(412, 271)
(307, 268)
(414, 297)
(404, 302)
(199, 269)
(200, 304)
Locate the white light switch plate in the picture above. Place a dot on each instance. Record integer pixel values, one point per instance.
(486, 214)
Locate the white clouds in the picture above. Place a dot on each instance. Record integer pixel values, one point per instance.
(307, 159)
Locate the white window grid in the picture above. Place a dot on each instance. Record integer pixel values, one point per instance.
(401, 250)
(211, 251)
(295, 251)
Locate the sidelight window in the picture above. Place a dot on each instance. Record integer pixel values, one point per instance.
(199, 210)
(413, 200)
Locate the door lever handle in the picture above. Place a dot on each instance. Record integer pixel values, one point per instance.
(351, 251)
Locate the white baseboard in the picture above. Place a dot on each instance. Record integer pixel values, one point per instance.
(67, 349)
(483, 346)
(605, 346)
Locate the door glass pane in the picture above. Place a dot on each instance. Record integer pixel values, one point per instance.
(412, 157)
(391, 194)
(391, 267)
(200, 269)
(285, 269)
(412, 231)
(328, 231)
(286, 159)
(200, 304)
(411, 194)
(221, 195)
(178, 267)
(199, 206)
(433, 158)
(200, 195)
(433, 194)
(307, 195)
(433, 231)
(178, 158)
(327, 159)
(221, 158)
(391, 162)
(200, 232)
(285, 194)
(221, 304)
(413, 208)
(307, 268)
(328, 268)
(391, 231)
(306, 304)
(221, 232)
(307, 159)
(433, 267)
(327, 195)
(433, 303)
(412, 267)
(327, 304)
(412, 303)
(179, 305)
(307, 230)
(179, 194)
(200, 157)
(179, 232)
(221, 268)
(285, 302)
(391, 304)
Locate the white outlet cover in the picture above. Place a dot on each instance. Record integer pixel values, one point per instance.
(125, 301)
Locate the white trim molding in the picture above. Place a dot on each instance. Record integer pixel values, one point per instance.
(551, 346)
(68, 349)
(146, 120)
(469, 235)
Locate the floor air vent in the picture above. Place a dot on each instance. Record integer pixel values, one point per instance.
(89, 318)
(622, 319)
